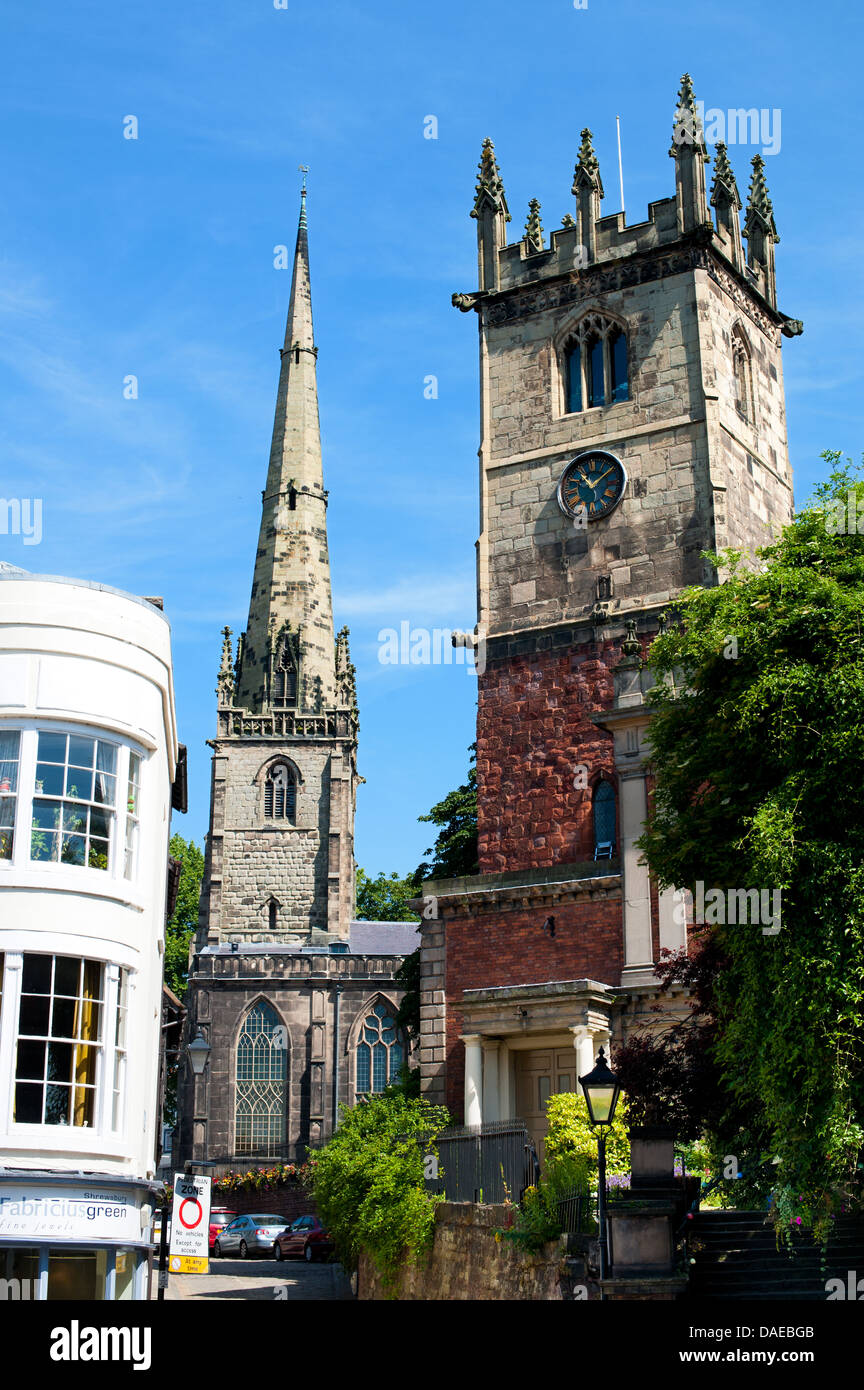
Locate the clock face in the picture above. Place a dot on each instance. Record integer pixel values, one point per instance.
(593, 484)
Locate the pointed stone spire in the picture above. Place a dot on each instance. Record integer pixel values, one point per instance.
(761, 232)
(690, 155)
(291, 584)
(588, 191)
(492, 214)
(534, 227)
(727, 201)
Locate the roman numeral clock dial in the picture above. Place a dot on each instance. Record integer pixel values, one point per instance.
(591, 486)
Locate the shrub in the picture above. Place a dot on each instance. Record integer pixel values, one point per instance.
(368, 1181)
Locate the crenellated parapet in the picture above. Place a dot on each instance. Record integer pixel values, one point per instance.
(589, 239)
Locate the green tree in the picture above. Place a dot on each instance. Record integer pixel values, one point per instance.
(184, 919)
(385, 898)
(368, 1181)
(455, 849)
(759, 762)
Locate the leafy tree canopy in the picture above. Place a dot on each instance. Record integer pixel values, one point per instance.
(385, 898)
(455, 849)
(759, 764)
(184, 919)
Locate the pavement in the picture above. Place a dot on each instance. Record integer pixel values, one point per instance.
(262, 1280)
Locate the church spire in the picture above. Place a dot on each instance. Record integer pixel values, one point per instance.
(688, 151)
(291, 601)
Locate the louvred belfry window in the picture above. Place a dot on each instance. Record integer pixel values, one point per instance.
(595, 366)
(280, 793)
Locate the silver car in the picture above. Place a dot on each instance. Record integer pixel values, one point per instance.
(249, 1235)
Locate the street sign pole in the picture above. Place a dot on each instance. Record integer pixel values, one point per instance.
(163, 1252)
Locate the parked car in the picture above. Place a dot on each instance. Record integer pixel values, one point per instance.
(249, 1235)
(219, 1217)
(304, 1239)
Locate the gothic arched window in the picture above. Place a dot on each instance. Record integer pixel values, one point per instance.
(604, 820)
(595, 365)
(280, 793)
(743, 376)
(259, 1108)
(380, 1053)
(285, 678)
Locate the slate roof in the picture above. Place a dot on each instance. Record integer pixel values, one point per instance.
(384, 938)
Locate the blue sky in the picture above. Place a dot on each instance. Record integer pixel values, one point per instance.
(154, 258)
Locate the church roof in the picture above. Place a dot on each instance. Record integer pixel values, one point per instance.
(384, 938)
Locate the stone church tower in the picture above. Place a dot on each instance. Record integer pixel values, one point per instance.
(282, 979)
(632, 417)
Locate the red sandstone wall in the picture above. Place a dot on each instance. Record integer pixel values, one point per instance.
(533, 727)
(511, 948)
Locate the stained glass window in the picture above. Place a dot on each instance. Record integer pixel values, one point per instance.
(261, 1074)
(604, 814)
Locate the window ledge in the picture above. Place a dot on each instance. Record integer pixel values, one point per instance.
(88, 883)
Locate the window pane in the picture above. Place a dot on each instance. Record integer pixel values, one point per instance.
(52, 748)
(74, 819)
(72, 849)
(81, 751)
(49, 779)
(36, 975)
(79, 783)
(104, 789)
(30, 1064)
(363, 1055)
(620, 389)
(379, 1067)
(35, 1011)
(106, 758)
(67, 975)
(595, 372)
(574, 380)
(63, 1018)
(28, 1105)
(9, 742)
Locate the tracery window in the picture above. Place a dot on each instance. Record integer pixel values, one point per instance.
(280, 793)
(380, 1053)
(260, 1088)
(595, 365)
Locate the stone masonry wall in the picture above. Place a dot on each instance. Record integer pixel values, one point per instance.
(466, 1262)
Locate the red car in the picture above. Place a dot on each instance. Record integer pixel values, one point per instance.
(305, 1238)
(219, 1217)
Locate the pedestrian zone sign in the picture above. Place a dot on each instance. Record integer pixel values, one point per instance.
(189, 1252)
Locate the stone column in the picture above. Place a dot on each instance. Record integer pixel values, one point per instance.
(473, 1078)
(674, 909)
(638, 956)
(491, 1078)
(583, 1041)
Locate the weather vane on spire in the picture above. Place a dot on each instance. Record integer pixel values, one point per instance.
(304, 170)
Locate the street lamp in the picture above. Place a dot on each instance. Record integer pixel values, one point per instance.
(198, 1051)
(601, 1087)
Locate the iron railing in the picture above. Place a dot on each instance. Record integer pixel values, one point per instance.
(576, 1210)
(487, 1163)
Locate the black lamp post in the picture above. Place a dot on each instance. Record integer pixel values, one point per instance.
(601, 1087)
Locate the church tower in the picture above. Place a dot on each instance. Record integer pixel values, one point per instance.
(280, 854)
(632, 418)
(296, 1002)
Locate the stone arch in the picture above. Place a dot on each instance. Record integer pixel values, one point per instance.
(356, 1041)
(596, 343)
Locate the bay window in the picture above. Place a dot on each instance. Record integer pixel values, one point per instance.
(69, 787)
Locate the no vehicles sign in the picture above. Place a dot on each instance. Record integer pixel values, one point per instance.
(190, 1225)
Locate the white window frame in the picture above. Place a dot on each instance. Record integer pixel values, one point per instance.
(65, 1137)
(71, 874)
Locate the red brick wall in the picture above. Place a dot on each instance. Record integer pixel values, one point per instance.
(511, 948)
(287, 1201)
(533, 727)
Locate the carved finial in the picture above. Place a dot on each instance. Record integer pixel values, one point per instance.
(687, 127)
(631, 646)
(587, 166)
(534, 227)
(568, 222)
(759, 206)
(225, 680)
(345, 671)
(724, 184)
(489, 186)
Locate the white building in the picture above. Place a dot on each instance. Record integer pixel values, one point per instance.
(88, 757)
